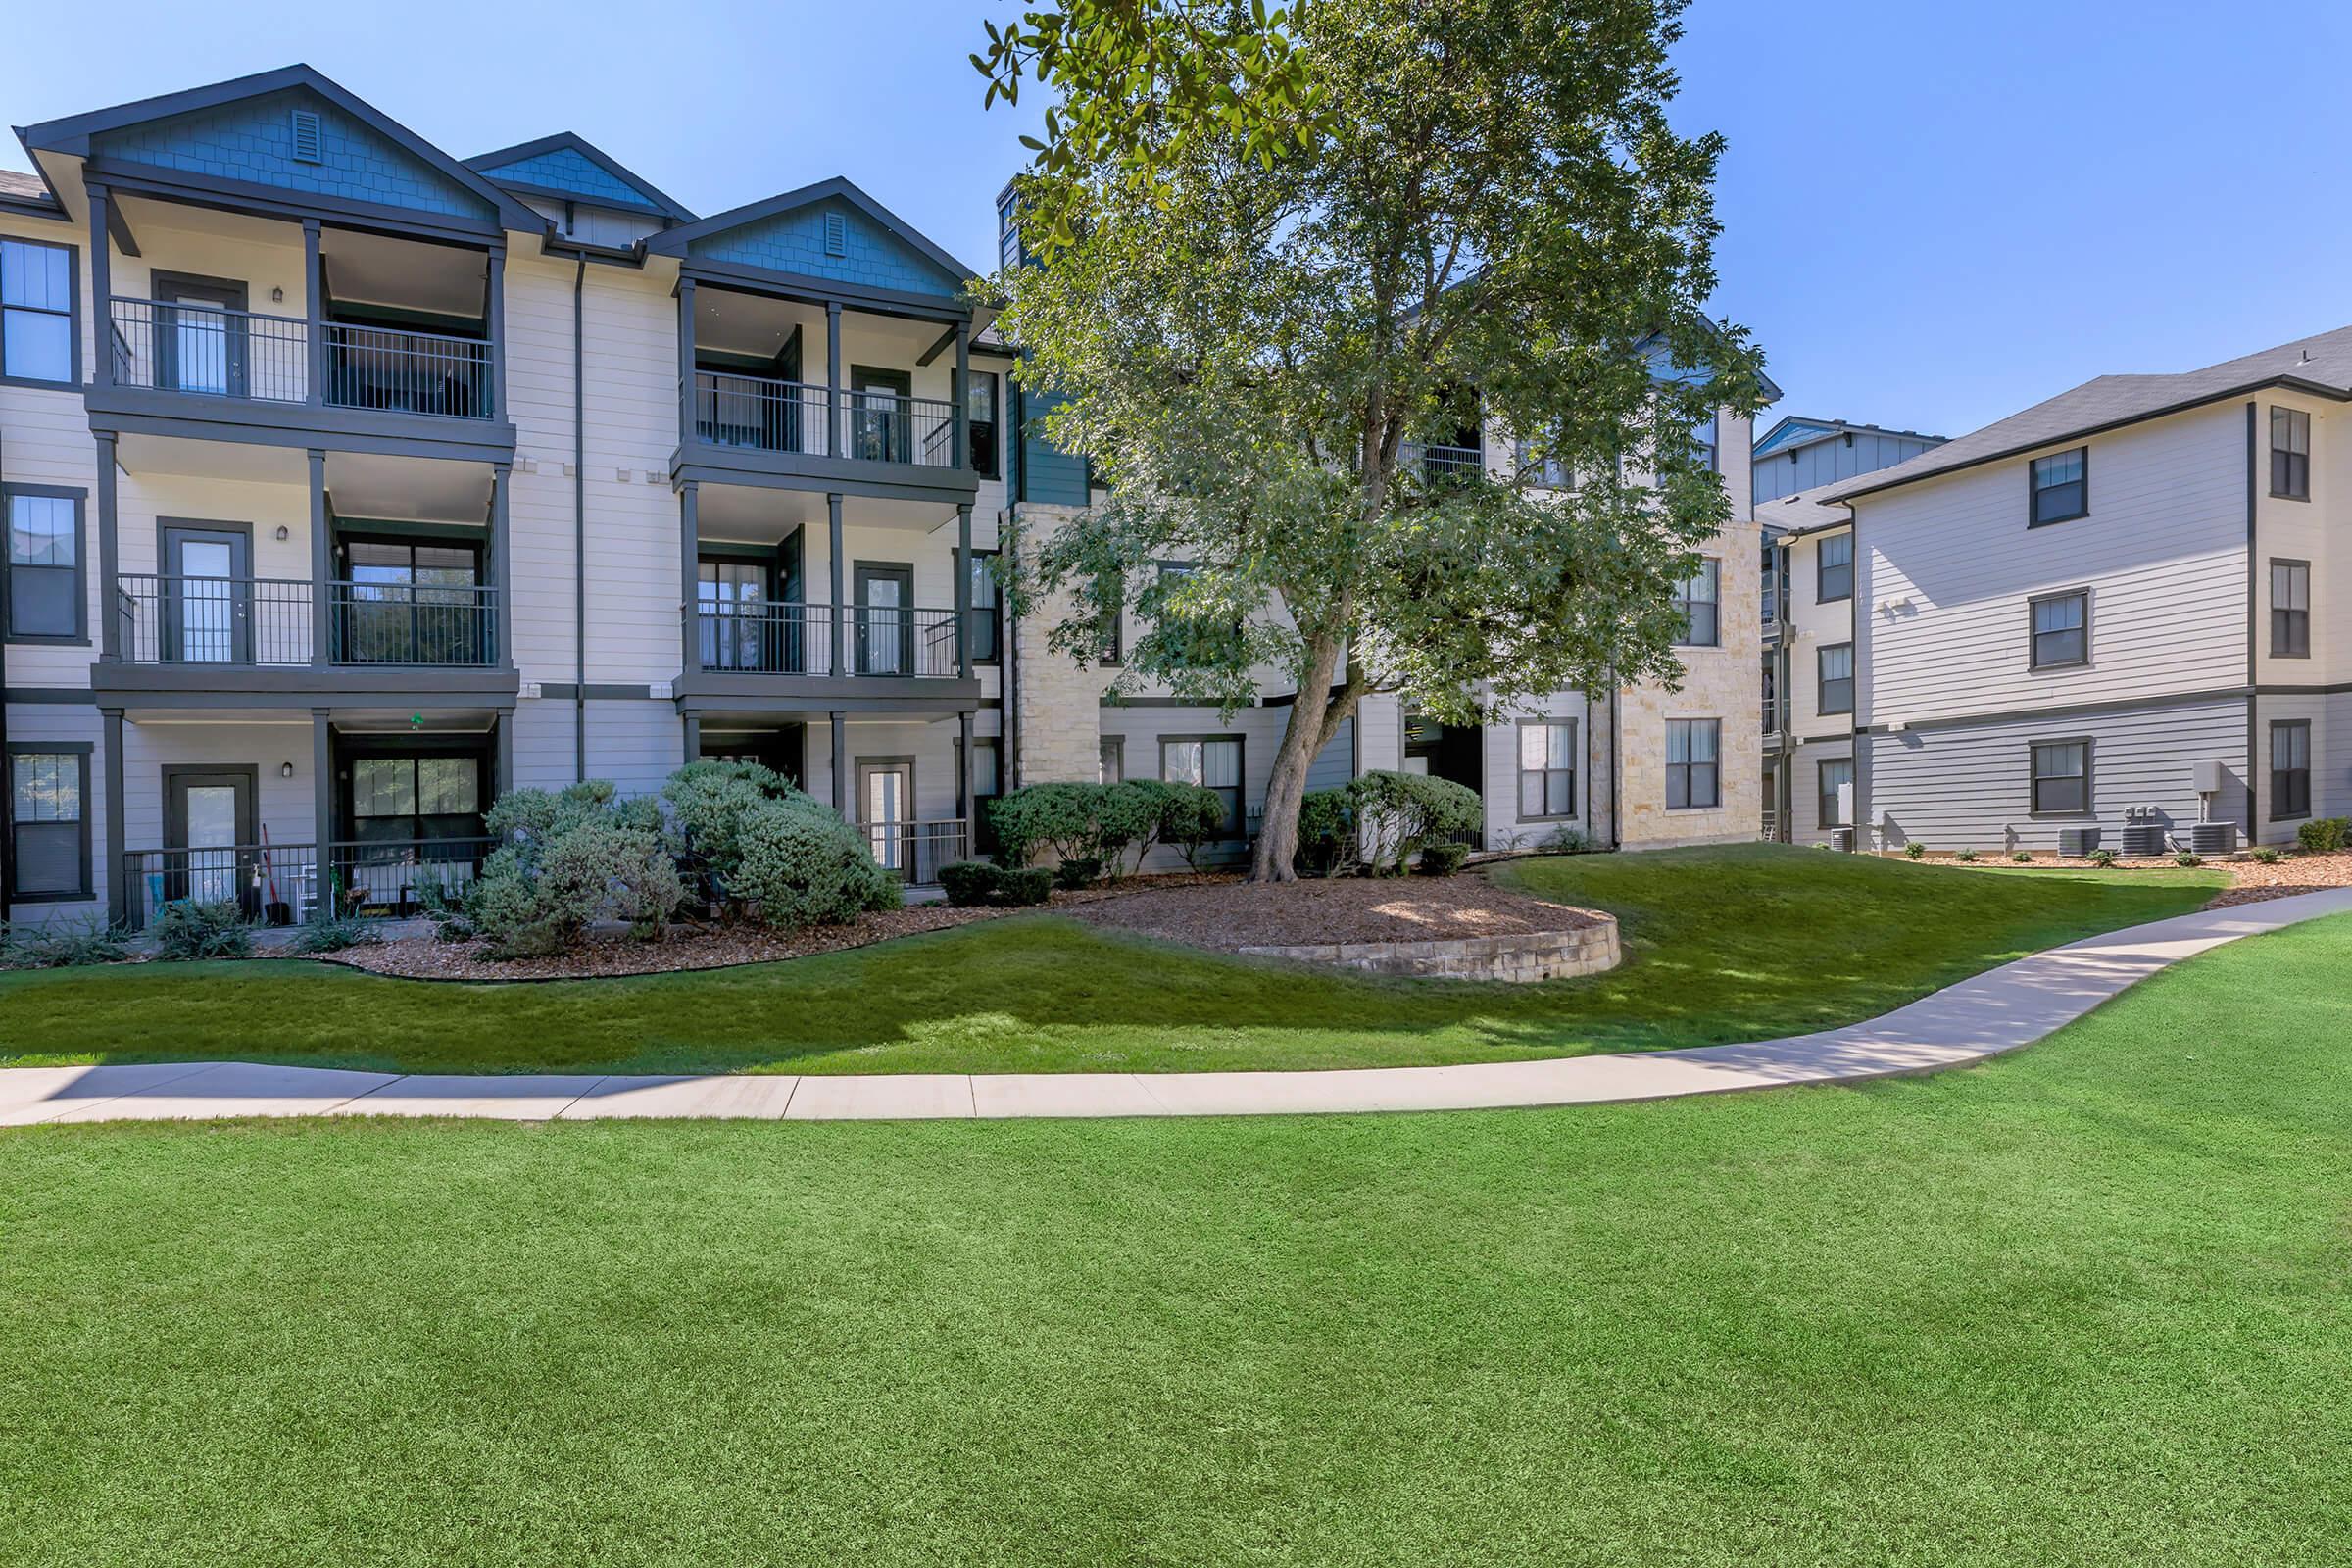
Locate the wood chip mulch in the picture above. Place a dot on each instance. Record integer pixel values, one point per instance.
(692, 947)
(1229, 914)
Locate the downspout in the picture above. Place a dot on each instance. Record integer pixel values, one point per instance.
(579, 528)
(1616, 768)
(2253, 625)
(1784, 696)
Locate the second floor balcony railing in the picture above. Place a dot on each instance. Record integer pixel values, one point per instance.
(758, 413)
(213, 351)
(1439, 464)
(772, 637)
(260, 622)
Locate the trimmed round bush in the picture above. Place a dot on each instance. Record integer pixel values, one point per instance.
(802, 865)
(1326, 832)
(2323, 835)
(1024, 887)
(969, 884)
(1402, 813)
(1442, 860)
(1916, 850)
(187, 929)
(568, 861)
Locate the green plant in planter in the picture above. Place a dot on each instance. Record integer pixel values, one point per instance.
(187, 929)
(2104, 859)
(1916, 850)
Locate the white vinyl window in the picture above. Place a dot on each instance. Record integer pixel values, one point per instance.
(1546, 768)
(36, 311)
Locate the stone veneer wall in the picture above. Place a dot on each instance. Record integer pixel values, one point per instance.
(1058, 706)
(1525, 957)
(1723, 682)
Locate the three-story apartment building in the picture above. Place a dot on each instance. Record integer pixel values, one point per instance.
(2120, 606)
(350, 484)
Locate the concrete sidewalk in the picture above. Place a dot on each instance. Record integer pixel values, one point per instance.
(1998, 1010)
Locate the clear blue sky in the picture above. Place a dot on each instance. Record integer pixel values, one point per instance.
(1933, 216)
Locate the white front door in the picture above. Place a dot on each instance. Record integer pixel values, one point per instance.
(207, 600)
(886, 809)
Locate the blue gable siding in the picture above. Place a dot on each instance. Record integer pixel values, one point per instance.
(794, 242)
(1048, 474)
(253, 140)
(567, 169)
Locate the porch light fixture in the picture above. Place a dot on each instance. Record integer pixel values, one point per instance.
(282, 534)
(278, 296)
(285, 771)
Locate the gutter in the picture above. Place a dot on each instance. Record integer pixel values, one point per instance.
(579, 528)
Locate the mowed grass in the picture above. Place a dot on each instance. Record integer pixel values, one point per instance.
(2085, 1304)
(1724, 944)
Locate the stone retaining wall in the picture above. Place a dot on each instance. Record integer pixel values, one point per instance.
(1529, 957)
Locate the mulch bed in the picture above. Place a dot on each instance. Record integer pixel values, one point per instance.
(692, 947)
(2250, 881)
(1232, 914)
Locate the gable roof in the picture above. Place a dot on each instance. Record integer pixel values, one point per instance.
(2321, 365)
(76, 134)
(683, 240)
(567, 167)
(1805, 511)
(1793, 431)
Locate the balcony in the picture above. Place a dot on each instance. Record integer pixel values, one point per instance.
(767, 637)
(213, 352)
(278, 883)
(758, 413)
(1440, 465)
(263, 623)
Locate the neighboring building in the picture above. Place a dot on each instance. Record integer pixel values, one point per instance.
(1808, 677)
(1638, 768)
(350, 484)
(2124, 604)
(1798, 454)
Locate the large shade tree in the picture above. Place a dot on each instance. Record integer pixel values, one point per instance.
(1274, 258)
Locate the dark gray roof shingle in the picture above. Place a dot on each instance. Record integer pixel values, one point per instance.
(2324, 362)
(22, 188)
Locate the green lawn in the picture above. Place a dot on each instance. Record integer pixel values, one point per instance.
(1728, 944)
(2090, 1303)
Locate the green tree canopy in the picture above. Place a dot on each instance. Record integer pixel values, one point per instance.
(1276, 257)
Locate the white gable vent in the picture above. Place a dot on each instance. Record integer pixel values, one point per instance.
(836, 235)
(306, 137)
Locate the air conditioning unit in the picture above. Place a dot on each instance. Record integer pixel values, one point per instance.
(2144, 837)
(1841, 839)
(2213, 838)
(2078, 840)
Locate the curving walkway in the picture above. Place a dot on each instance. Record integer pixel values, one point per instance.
(1995, 1012)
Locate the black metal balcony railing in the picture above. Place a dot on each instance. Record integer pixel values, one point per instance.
(917, 849)
(260, 622)
(215, 351)
(761, 414)
(769, 637)
(278, 884)
(1440, 465)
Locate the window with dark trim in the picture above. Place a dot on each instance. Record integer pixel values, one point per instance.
(1698, 602)
(1546, 768)
(47, 595)
(414, 797)
(2060, 634)
(2290, 454)
(2060, 486)
(1835, 568)
(984, 601)
(1113, 647)
(1693, 780)
(1835, 666)
(1836, 772)
(2061, 778)
(1110, 760)
(988, 785)
(2290, 768)
(1211, 761)
(36, 311)
(48, 791)
(2290, 610)
(980, 418)
(411, 601)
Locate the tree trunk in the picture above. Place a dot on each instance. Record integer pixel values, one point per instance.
(1313, 716)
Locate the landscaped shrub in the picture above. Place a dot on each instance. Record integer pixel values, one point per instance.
(1571, 841)
(61, 943)
(187, 929)
(1399, 813)
(1077, 872)
(707, 804)
(568, 861)
(1129, 815)
(331, 933)
(1192, 819)
(1965, 856)
(1060, 818)
(2187, 862)
(2022, 857)
(2102, 858)
(1441, 860)
(975, 884)
(2265, 854)
(1916, 850)
(1326, 833)
(802, 865)
(2323, 835)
